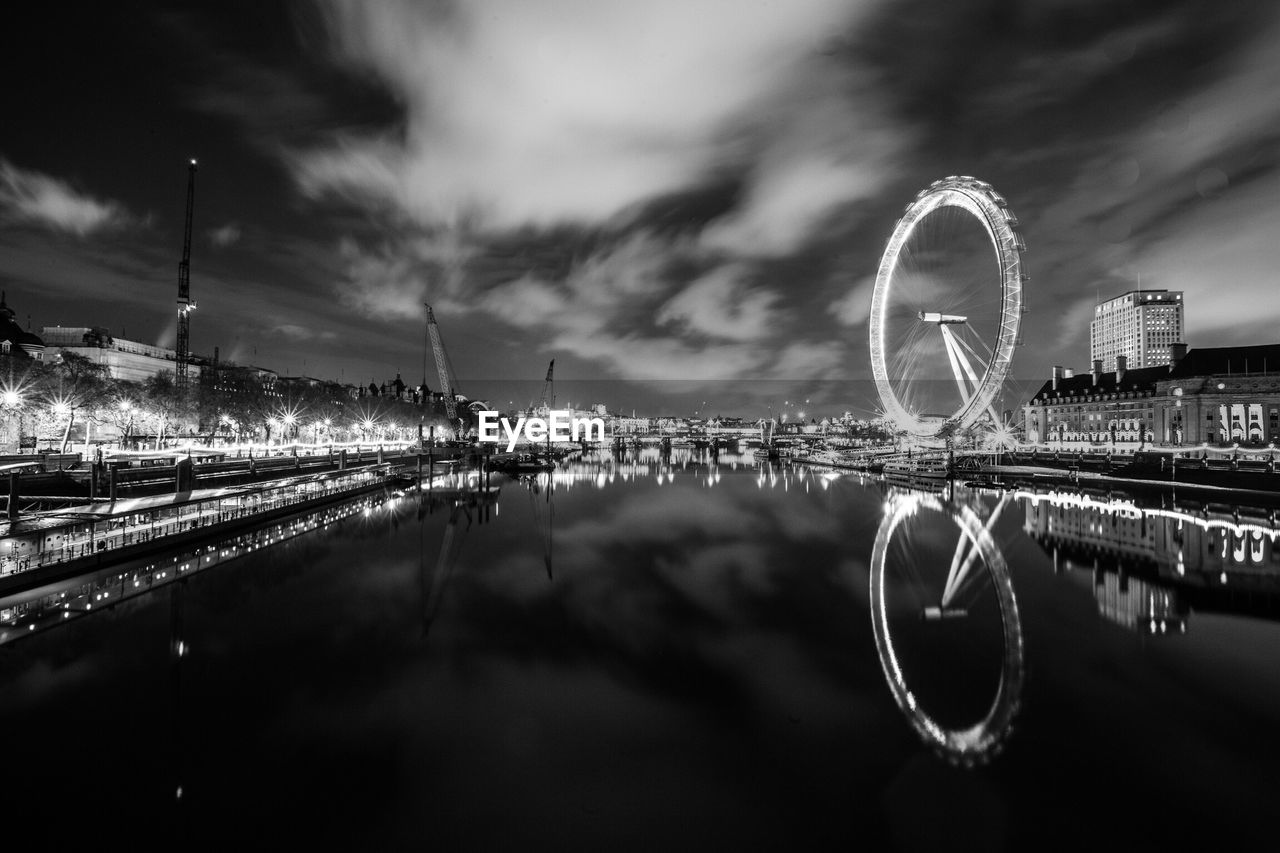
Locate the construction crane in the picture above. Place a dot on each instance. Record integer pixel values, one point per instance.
(444, 369)
(185, 305)
(548, 389)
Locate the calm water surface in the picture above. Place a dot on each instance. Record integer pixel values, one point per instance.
(638, 654)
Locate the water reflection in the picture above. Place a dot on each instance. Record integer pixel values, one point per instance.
(703, 651)
(662, 465)
(466, 504)
(1151, 566)
(599, 469)
(939, 584)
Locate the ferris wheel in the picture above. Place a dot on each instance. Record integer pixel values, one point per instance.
(915, 584)
(946, 308)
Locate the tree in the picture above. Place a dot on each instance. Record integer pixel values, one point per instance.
(166, 404)
(76, 384)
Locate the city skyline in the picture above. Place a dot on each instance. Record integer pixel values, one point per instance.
(643, 192)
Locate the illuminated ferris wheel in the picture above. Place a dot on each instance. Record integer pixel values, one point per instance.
(943, 608)
(946, 307)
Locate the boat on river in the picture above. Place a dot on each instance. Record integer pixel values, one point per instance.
(919, 470)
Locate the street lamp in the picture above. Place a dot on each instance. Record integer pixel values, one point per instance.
(232, 426)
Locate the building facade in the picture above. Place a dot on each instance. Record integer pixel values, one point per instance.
(129, 360)
(1094, 408)
(1141, 325)
(1215, 396)
(1219, 396)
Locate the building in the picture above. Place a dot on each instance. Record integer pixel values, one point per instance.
(1140, 325)
(1214, 395)
(1220, 395)
(14, 340)
(1095, 407)
(129, 360)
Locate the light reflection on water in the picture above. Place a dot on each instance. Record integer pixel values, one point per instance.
(757, 654)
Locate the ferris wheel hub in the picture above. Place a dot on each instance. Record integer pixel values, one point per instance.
(942, 319)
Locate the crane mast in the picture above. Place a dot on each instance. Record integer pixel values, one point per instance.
(185, 305)
(442, 369)
(548, 389)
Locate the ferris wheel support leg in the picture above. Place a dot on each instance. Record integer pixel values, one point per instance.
(959, 572)
(956, 357)
(961, 345)
(955, 574)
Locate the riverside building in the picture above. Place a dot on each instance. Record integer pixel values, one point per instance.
(1213, 395)
(123, 359)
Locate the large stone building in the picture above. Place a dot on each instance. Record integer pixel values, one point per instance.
(1221, 395)
(123, 359)
(1141, 325)
(1218, 396)
(1094, 407)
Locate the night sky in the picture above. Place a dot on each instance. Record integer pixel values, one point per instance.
(641, 190)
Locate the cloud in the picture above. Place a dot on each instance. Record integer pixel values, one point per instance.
(271, 102)
(597, 312)
(33, 197)
(560, 111)
(1178, 196)
(1228, 245)
(787, 201)
(826, 141)
(853, 308)
(395, 277)
(720, 304)
(808, 360)
(295, 332)
(227, 235)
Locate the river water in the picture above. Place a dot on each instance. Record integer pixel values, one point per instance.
(675, 654)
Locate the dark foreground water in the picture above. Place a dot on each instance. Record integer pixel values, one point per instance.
(682, 656)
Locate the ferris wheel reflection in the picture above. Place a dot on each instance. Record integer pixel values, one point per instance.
(943, 606)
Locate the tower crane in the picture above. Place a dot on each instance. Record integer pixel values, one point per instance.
(185, 305)
(444, 369)
(548, 389)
